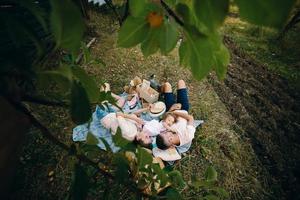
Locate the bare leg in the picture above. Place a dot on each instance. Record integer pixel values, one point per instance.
(169, 96)
(120, 100)
(181, 84)
(167, 87)
(105, 87)
(182, 95)
(115, 96)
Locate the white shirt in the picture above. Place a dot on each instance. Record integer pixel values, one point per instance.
(153, 127)
(185, 131)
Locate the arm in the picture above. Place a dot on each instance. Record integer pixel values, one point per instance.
(143, 110)
(139, 111)
(169, 128)
(132, 117)
(176, 106)
(189, 118)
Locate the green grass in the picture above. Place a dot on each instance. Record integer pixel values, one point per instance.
(262, 45)
(219, 142)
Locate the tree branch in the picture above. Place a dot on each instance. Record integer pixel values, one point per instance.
(126, 12)
(171, 13)
(100, 167)
(47, 134)
(113, 8)
(42, 101)
(78, 59)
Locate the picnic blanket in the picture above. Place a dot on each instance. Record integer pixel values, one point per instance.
(80, 132)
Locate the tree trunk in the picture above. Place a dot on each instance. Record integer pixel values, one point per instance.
(13, 126)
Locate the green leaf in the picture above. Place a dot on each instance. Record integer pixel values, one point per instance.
(211, 174)
(151, 43)
(161, 174)
(80, 183)
(152, 7)
(168, 37)
(66, 24)
(119, 140)
(132, 32)
(137, 7)
(221, 55)
(143, 157)
(173, 194)
(184, 54)
(187, 13)
(222, 58)
(198, 54)
(80, 105)
(91, 139)
(61, 76)
(176, 179)
(171, 3)
(273, 13)
(122, 168)
(87, 82)
(184, 11)
(211, 12)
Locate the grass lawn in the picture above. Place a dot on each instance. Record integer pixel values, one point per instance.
(263, 46)
(220, 142)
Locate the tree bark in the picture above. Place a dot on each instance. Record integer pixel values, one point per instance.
(13, 127)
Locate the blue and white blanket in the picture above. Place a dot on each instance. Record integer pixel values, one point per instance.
(95, 127)
(80, 132)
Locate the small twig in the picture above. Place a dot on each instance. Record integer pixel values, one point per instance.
(113, 8)
(47, 102)
(171, 13)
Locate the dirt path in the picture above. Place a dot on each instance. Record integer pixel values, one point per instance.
(268, 111)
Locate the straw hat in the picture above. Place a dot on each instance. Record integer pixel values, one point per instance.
(169, 154)
(158, 109)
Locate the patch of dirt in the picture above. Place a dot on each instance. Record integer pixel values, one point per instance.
(267, 109)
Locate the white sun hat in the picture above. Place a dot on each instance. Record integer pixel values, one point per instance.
(158, 109)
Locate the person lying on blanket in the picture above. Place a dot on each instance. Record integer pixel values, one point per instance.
(134, 128)
(146, 130)
(183, 130)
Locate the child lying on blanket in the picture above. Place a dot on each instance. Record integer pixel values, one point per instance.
(183, 134)
(148, 129)
(132, 96)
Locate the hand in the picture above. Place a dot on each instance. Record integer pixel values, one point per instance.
(150, 106)
(140, 121)
(176, 106)
(137, 119)
(119, 114)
